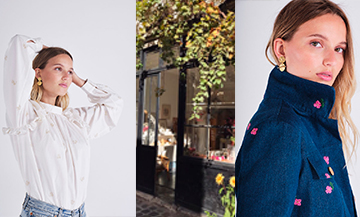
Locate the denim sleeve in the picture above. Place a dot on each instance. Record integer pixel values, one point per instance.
(267, 169)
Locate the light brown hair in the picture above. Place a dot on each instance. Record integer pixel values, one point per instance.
(288, 21)
(40, 62)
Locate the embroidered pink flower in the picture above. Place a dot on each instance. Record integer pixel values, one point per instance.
(297, 202)
(327, 175)
(326, 159)
(317, 104)
(254, 131)
(248, 127)
(328, 189)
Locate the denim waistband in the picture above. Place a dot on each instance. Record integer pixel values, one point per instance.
(52, 209)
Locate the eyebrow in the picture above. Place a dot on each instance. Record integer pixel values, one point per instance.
(325, 38)
(59, 64)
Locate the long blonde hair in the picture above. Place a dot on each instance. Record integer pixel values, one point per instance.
(40, 62)
(294, 14)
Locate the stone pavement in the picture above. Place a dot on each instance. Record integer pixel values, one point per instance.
(150, 206)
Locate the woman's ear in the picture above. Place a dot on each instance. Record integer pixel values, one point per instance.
(37, 73)
(279, 47)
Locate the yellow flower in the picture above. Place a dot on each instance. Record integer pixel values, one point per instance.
(232, 181)
(219, 178)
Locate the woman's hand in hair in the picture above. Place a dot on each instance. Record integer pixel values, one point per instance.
(77, 80)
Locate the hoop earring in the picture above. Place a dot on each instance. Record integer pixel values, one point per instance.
(282, 65)
(39, 83)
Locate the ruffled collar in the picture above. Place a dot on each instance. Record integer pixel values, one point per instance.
(51, 108)
(307, 97)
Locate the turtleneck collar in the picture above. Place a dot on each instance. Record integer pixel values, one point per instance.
(307, 97)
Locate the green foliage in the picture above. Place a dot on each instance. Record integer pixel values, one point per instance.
(208, 32)
(208, 214)
(228, 201)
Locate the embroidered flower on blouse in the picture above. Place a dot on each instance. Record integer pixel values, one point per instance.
(327, 175)
(326, 159)
(328, 189)
(297, 202)
(248, 127)
(254, 131)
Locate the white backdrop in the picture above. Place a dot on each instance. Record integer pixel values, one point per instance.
(254, 22)
(100, 34)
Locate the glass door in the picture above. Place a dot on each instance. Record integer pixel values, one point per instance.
(147, 129)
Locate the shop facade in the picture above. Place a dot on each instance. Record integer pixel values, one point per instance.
(175, 153)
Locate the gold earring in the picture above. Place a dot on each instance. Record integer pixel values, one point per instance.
(39, 82)
(282, 63)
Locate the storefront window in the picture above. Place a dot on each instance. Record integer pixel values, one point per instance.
(152, 60)
(150, 109)
(211, 137)
(168, 112)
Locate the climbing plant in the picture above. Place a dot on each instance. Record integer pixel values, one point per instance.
(208, 34)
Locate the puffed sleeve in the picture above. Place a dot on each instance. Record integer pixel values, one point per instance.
(267, 169)
(104, 115)
(19, 75)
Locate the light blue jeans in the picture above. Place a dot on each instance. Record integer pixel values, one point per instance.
(37, 208)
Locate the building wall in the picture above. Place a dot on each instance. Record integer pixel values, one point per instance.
(252, 67)
(196, 188)
(101, 37)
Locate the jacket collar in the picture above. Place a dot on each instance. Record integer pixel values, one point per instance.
(307, 97)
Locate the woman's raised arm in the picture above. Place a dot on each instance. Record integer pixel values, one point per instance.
(104, 114)
(19, 75)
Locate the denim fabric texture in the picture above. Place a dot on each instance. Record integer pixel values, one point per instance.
(36, 208)
(291, 161)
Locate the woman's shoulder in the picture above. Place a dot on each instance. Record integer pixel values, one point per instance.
(274, 124)
(276, 112)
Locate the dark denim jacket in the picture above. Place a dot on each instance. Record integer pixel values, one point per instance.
(291, 161)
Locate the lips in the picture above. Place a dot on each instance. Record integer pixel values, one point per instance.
(326, 76)
(63, 85)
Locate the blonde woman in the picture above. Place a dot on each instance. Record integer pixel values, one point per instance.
(50, 140)
(291, 162)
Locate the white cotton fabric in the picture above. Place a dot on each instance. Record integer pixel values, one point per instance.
(51, 145)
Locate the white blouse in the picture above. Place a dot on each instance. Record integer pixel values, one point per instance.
(51, 145)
